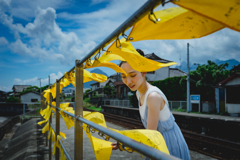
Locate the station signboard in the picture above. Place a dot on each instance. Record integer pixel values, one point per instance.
(195, 99)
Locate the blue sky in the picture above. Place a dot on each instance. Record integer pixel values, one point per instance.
(44, 37)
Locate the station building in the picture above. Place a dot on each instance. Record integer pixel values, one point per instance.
(227, 95)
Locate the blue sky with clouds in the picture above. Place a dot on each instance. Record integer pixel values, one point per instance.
(44, 37)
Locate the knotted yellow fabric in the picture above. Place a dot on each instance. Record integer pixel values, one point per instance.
(87, 76)
(70, 78)
(46, 95)
(225, 12)
(45, 128)
(174, 23)
(135, 60)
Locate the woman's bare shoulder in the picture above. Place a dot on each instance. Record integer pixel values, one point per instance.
(154, 99)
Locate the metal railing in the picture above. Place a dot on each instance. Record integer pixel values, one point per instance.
(105, 132)
(78, 116)
(119, 103)
(177, 104)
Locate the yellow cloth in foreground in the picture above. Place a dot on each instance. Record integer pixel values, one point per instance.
(226, 12)
(102, 149)
(135, 60)
(175, 23)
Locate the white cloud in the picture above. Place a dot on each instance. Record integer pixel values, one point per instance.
(3, 41)
(97, 1)
(47, 40)
(99, 24)
(25, 9)
(35, 81)
(5, 88)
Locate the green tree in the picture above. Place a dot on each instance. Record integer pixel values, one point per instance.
(85, 94)
(205, 77)
(133, 99)
(32, 88)
(109, 90)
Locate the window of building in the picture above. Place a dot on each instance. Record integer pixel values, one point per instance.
(153, 72)
(233, 95)
(34, 100)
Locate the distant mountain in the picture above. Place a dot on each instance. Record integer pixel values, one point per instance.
(231, 64)
(88, 84)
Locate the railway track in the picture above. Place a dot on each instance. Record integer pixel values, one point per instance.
(211, 146)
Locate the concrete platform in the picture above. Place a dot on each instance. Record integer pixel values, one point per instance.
(209, 116)
(24, 144)
(116, 154)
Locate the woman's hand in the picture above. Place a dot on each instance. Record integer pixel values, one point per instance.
(114, 146)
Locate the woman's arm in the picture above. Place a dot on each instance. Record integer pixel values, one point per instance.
(155, 103)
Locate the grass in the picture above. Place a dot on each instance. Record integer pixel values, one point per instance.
(95, 109)
(90, 106)
(180, 110)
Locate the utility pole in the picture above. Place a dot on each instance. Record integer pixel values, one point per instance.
(40, 85)
(188, 81)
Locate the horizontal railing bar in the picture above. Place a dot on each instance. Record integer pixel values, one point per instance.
(136, 16)
(64, 150)
(128, 142)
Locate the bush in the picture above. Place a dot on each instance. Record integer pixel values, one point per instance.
(13, 99)
(87, 100)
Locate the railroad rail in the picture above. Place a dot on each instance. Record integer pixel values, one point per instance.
(211, 146)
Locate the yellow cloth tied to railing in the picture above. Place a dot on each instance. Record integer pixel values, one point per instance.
(174, 23)
(225, 12)
(70, 78)
(102, 149)
(135, 60)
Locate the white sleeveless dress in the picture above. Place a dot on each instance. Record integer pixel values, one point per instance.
(168, 128)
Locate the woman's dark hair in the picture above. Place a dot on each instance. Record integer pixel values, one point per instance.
(139, 51)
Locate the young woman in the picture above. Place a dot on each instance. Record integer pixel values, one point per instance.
(154, 111)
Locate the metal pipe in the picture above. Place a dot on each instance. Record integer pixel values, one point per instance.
(57, 116)
(141, 12)
(65, 152)
(23, 111)
(128, 142)
(188, 81)
(78, 130)
(50, 122)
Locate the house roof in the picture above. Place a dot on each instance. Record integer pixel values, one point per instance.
(154, 57)
(20, 88)
(175, 72)
(119, 83)
(94, 83)
(95, 90)
(228, 79)
(32, 92)
(237, 67)
(3, 92)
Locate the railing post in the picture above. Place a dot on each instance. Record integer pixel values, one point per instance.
(23, 112)
(78, 130)
(50, 122)
(42, 104)
(57, 116)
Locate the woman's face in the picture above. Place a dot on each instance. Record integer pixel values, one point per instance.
(133, 79)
